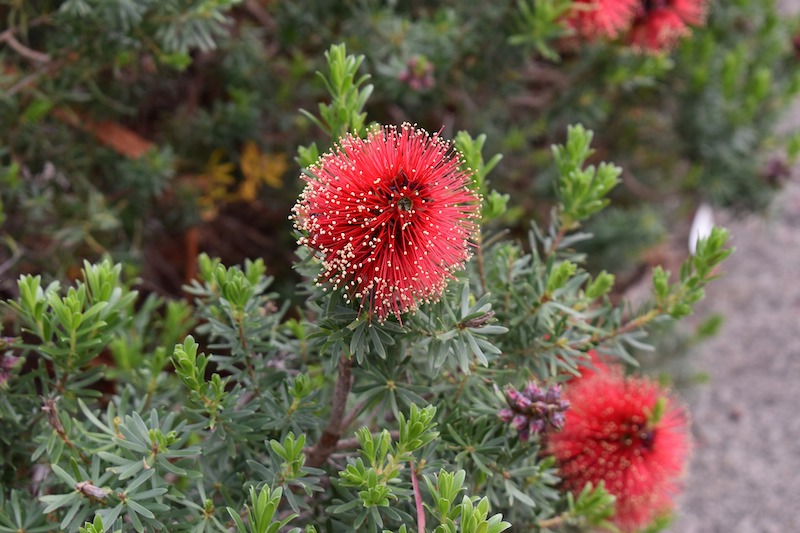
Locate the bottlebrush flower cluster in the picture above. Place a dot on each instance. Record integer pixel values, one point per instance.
(391, 217)
(651, 25)
(628, 433)
(533, 409)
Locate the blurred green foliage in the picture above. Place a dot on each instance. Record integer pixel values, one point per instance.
(150, 129)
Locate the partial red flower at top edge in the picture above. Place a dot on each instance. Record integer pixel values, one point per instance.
(660, 23)
(391, 216)
(597, 19)
(631, 435)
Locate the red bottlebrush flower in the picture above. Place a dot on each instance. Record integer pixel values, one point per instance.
(593, 19)
(391, 217)
(660, 23)
(629, 434)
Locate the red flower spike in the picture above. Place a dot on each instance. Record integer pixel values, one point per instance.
(596, 19)
(391, 217)
(660, 23)
(629, 434)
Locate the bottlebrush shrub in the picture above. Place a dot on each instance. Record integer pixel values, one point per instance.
(369, 409)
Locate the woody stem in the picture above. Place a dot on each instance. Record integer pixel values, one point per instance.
(326, 445)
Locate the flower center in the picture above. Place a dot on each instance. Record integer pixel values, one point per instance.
(405, 203)
(651, 5)
(647, 438)
(636, 435)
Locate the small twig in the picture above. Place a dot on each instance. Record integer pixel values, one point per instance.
(638, 188)
(45, 61)
(550, 522)
(497, 237)
(24, 82)
(8, 37)
(509, 275)
(248, 357)
(244, 399)
(50, 407)
(562, 232)
(634, 323)
(461, 384)
(349, 419)
(258, 12)
(30, 79)
(417, 500)
(333, 431)
(479, 262)
(16, 255)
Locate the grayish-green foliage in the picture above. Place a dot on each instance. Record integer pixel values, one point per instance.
(158, 415)
(224, 436)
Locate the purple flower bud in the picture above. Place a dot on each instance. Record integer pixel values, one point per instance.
(557, 420)
(7, 364)
(523, 403)
(519, 422)
(534, 409)
(533, 391)
(553, 394)
(537, 425)
(512, 395)
(505, 415)
(7, 361)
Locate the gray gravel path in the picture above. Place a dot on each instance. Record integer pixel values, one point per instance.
(745, 472)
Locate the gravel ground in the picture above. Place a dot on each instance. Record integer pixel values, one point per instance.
(745, 472)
